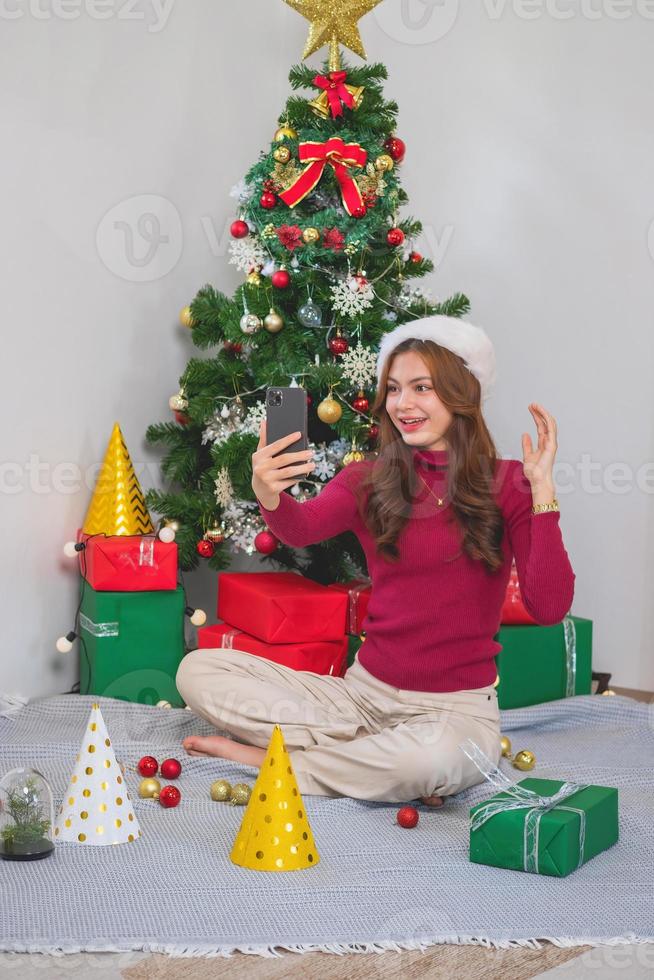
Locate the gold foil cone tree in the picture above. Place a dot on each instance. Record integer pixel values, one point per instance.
(96, 808)
(275, 834)
(117, 505)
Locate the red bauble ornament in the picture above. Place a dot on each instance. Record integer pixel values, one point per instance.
(181, 417)
(267, 200)
(415, 257)
(232, 348)
(169, 796)
(147, 766)
(239, 229)
(338, 345)
(265, 542)
(280, 279)
(170, 768)
(396, 148)
(360, 211)
(360, 404)
(309, 399)
(407, 816)
(205, 548)
(395, 236)
(373, 431)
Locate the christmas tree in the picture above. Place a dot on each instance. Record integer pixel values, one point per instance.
(327, 264)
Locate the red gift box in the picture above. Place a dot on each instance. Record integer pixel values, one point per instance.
(128, 563)
(513, 609)
(281, 607)
(358, 593)
(329, 657)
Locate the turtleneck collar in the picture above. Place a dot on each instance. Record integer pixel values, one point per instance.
(431, 458)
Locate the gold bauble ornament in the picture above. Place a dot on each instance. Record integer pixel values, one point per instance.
(173, 525)
(240, 794)
(253, 279)
(384, 163)
(215, 534)
(310, 236)
(185, 317)
(273, 322)
(178, 402)
(353, 456)
(524, 760)
(220, 790)
(149, 788)
(282, 154)
(285, 132)
(505, 745)
(329, 410)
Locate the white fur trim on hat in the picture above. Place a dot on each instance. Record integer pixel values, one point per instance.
(471, 343)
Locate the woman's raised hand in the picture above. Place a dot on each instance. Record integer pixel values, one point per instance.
(271, 474)
(539, 463)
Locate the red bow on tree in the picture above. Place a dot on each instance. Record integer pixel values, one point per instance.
(340, 156)
(336, 90)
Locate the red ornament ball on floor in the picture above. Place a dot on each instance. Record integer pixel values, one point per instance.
(407, 816)
(170, 768)
(169, 796)
(205, 548)
(147, 766)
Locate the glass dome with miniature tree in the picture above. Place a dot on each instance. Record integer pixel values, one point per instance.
(26, 816)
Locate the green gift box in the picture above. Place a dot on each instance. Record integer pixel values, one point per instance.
(131, 644)
(542, 840)
(354, 644)
(544, 663)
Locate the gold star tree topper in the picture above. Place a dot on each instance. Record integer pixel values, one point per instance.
(333, 22)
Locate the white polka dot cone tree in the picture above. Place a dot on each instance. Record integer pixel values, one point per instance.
(275, 834)
(96, 808)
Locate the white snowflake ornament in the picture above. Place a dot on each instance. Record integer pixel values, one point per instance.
(359, 366)
(246, 253)
(352, 296)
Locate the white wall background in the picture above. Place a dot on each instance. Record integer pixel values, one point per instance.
(530, 154)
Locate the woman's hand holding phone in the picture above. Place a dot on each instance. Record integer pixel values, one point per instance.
(270, 473)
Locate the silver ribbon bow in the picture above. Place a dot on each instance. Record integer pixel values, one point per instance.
(521, 798)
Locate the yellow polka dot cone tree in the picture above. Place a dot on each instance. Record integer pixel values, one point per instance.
(117, 505)
(275, 834)
(96, 808)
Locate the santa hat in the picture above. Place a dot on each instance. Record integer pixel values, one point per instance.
(472, 344)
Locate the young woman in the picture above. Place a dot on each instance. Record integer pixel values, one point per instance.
(440, 518)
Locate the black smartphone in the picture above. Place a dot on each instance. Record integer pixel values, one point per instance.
(286, 412)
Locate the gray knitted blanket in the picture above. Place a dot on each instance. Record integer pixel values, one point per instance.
(377, 886)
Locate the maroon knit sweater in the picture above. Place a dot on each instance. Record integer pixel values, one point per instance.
(430, 622)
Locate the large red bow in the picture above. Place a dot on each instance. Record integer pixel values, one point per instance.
(336, 90)
(340, 156)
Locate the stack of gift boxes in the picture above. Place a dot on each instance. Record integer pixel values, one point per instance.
(131, 616)
(283, 617)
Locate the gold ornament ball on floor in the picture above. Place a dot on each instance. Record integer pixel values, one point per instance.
(273, 322)
(310, 236)
(220, 791)
(384, 163)
(505, 744)
(149, 789)
(285, 132)
(524, 760)
(329, 410)
(185, 317)
(282, 154)
(240, 794)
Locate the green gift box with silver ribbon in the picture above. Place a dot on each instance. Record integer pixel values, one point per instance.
(131, 644)
(544, 663)
(543, 826)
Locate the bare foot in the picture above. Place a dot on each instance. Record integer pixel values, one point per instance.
(432, 800)
(220, 747)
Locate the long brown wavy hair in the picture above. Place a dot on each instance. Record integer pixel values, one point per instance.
(386, 492)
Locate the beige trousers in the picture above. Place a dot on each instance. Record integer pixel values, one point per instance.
(347, 736)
